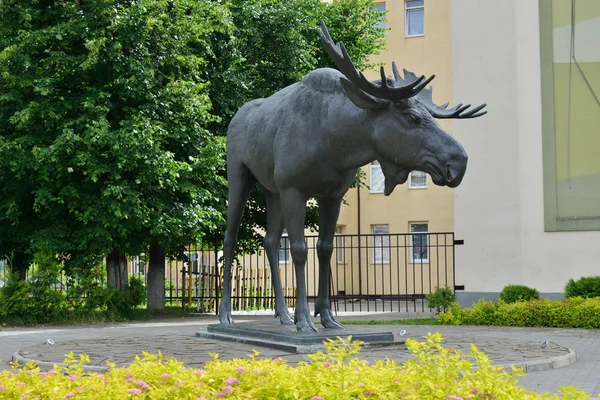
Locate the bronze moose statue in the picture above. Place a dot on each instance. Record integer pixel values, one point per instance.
(309, 140)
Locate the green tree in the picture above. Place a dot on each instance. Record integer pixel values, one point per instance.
(113, 116)
(104, 115)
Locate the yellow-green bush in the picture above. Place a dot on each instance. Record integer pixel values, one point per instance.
(573, 312)
(434, 373)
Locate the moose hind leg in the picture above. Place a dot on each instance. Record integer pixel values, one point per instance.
(293, 205)
(329, 210)
(275, 228)
(241, 182)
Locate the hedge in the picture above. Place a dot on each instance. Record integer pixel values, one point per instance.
(573, 312)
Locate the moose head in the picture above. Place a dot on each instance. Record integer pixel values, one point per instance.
(405, 134)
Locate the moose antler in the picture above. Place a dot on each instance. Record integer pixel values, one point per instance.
(441, 111)
(401, 88)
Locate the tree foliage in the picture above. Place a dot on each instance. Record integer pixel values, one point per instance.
(113, 113)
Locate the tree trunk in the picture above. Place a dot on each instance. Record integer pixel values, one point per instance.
(116, 270)
(19, 263)
(155, 285)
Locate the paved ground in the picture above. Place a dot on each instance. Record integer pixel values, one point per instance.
(118, 342)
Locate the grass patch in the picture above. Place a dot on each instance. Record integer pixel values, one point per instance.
(410, 321)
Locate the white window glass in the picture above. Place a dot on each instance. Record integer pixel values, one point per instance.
(377, 179)
(340, 245)
(381, 244)
(415, 17)
(284, 249)
(417, 180)
(419, 242)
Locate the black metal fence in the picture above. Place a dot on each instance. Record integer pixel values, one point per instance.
(371, 272)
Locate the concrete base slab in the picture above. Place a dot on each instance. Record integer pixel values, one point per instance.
(287, 338)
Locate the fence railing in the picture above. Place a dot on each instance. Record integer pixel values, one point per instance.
(371, 272)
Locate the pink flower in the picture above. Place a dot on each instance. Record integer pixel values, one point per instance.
(454, 398)
(317, 398)
(327, 364)
(24, 396)
(177, 383)
(69, 395)
(227, 389)
(256, 371)
(201, 398)
(360, 384)
(165, 376)
(20, 383)
(1, 388)
(240, 370)
(367, 362)
(397, 380)
(232, 381)
(130, 374)
(43, 379)
(474, 391)
(42, 373)
(143, 385)
(219, 394)
(199, 372)
(130, 380)
(52, 372)
(367, 393)
(134, 391)
(72, 377)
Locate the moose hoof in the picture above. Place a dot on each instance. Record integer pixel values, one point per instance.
(304, 324)
(331, 323)
(225, 316)
(284, 317)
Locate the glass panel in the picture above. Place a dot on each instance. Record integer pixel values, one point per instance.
(415, 22)
(415, 3)
(381, 244)
(284, 250)
(418, 179)
(377, 179)
(380, 7)
(420, 242)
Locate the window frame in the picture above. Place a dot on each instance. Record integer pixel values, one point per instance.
(382, 247)
(375, 166)
(406, 12)
(412, 259)
(410, 184)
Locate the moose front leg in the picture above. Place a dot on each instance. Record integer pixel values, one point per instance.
(329, 210)
(271, 242)
(293, 206)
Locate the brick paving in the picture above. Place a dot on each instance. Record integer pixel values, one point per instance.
(175, 337)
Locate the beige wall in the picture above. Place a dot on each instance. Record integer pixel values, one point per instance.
(499, 207)
(426, 55)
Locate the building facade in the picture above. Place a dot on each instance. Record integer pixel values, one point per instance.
(529, 206)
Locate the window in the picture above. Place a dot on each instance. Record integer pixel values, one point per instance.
(284, 249)
(380, 7)
(417, 180)
(415, 18)
(419, 242)
(377, 179)
(340, 245)
(381, 244)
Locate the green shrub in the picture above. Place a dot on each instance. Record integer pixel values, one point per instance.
(441, 299)
(587, 286)
(434, 372)
(514, 293)
(567, 313)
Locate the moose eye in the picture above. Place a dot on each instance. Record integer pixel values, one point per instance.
(412, 119)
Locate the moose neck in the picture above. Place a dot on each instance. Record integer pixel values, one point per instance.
(349, 138)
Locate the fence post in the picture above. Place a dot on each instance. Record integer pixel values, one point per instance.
(183, 288)
(191, 283)
(216, 247)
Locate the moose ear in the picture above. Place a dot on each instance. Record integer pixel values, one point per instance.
(360, 98)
